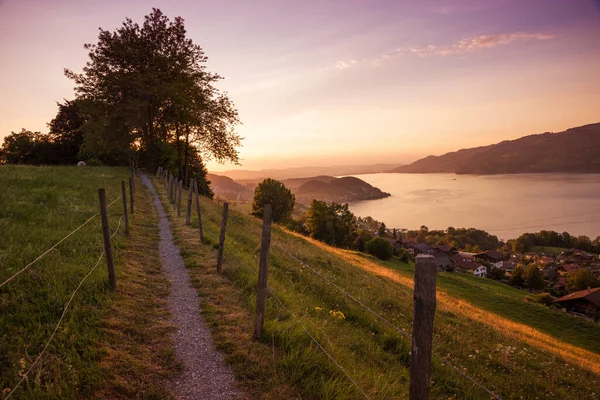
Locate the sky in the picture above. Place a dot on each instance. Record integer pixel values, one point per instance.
(331, 82)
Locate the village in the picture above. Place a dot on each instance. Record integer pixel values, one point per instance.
(554, 272)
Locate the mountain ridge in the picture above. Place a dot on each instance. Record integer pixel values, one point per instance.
(574, 150)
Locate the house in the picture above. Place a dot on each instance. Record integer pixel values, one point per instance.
(419, 248)
(462, 264)
(584, 302)
(561, 283)
(445, 248)
(443, 262)
(509, 266)
(568, 268)
(396, 243)
(495, 258)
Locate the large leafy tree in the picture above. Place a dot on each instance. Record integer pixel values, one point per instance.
(331, 223)
(66, 133)
(27, 147)
(146, 85)
(273, 192)
(581, 279)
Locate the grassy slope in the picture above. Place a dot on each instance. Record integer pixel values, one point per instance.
(511, 303)
(476, 335)
(40, 205)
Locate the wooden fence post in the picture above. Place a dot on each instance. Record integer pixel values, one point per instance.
(106, 234)
(422, 333)
(131, 193)
(198, 211)
(158, 171)
(133, 178)
(188, 211)
(124, 196)
(261, 288)
(179, 195)
(222, 237)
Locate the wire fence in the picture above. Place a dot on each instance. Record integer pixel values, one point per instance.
(403, 332)
(67, 305)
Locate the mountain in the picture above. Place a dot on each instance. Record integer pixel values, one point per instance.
(301, 172)
(322, 187)
(574, 150)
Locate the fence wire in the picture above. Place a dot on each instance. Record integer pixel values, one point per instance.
(39, 357)
(54, 246)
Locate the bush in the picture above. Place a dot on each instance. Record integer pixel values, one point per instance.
(545, 298)
(93, 162)
(404, 256)
(380, 248)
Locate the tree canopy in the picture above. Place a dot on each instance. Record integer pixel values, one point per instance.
(273, 192)
(331, 223)
(146, 85)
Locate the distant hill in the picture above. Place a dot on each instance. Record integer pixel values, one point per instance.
(322, 187)
(575, 150)
(340, 190)
(301, 172)
(226, 187)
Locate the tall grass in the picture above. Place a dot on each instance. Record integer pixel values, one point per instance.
(477, 340)
(38, 207)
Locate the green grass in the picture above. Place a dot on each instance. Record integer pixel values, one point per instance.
(547, 249)
(376, 356)
(38, 207)
(511, 303)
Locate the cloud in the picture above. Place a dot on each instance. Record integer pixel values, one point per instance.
(473, 44)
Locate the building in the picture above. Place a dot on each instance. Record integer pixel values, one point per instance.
(462, 264)
(495, 258)
(584, 302)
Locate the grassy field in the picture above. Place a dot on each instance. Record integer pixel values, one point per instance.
(103, 347)
(517, 349)
(547, 249)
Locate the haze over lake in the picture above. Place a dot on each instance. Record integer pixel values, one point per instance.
(504, 205)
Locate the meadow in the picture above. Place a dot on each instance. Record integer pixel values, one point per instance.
(487, 331)
(38, 207)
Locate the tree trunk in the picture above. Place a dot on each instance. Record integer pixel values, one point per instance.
(178, 144)
(187, 151)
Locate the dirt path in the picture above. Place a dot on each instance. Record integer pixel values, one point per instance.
(205, 375)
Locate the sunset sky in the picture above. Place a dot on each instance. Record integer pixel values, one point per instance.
(321, 82)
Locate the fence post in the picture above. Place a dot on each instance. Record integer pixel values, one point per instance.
(422, 334)
(124, 196)
(261, 288)
(179, 195)
(198, 211)
(133, 178)
(188, 211)
(158, 171)
(222, 237)
(106, 233)
(131, 193)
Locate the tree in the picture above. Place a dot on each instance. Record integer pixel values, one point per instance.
(27, 147)
(380, 248)
(382, 230)
(66, 132)
(331, 223)
(146, 85)
(496, 273)
(273, 192)
(360, 244)
(581, 279)
(533, 277)
(516, 278)
(318, 221)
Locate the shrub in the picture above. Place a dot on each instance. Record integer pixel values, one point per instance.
(380, 248)
(93, 162)
(545, 298)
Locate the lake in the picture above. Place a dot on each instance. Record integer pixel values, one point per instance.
(504, 205)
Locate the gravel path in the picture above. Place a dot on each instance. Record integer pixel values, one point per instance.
(205, 375)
